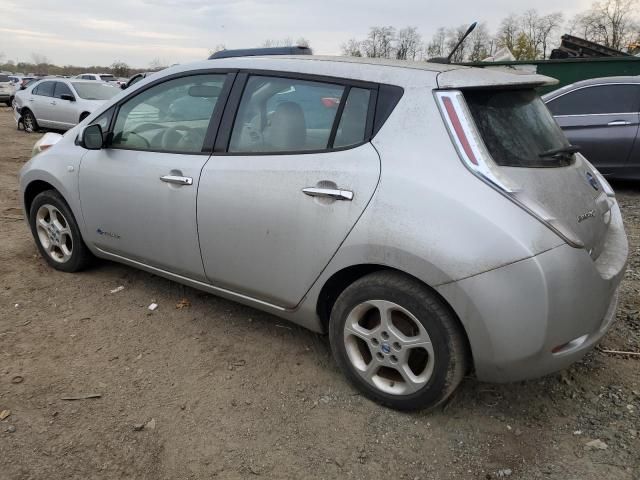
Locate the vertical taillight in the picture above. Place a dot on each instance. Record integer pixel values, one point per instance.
(476, 158)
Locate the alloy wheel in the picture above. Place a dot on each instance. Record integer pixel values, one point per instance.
(54, 233)
(388, 347)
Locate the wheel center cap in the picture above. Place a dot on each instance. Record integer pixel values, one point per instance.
(385, 348)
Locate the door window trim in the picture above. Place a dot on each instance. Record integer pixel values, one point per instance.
(214, 120)
(221, 147)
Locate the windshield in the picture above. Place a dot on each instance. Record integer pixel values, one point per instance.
(107, 78)
(95, 91)
(517, 127)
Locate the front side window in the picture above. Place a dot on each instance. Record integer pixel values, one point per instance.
(599, 99)
(172, 116)
(285, 115)
(44, 89)
(62, 89)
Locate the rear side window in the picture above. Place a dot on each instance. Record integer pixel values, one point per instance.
(517, 127)
(353, 123)
(285, 115)
(599, 99)
(45, 89)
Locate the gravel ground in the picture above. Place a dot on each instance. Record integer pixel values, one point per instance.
(215, 389)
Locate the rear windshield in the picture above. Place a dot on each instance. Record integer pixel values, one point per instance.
(4, 78)
(517, 127)
(107, 78)
(95, 91)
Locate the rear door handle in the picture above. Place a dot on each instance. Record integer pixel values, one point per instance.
(177, 179)
(618, 123)
(328, 193)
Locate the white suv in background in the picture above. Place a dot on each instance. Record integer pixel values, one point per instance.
(6, 89)
(100, 77)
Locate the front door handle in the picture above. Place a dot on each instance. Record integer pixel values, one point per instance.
(328, 193)
(177, 179)
(618, 123)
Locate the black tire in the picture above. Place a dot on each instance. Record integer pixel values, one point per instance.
(29, 121)
(80, 257)
(450, 351)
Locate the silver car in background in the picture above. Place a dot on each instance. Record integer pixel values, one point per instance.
(60, 103)
(430, 218)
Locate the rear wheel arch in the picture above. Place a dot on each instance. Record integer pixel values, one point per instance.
(341, 279)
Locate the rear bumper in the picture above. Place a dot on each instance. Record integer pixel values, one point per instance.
(541, 314)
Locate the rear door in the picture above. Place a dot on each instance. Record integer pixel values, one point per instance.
(288, 180)
(603, 120)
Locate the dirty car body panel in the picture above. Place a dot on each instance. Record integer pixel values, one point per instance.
(531, 270)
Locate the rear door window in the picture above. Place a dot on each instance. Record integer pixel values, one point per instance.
(599, 99)
(517, 127)
(285, 115)
(45, 89)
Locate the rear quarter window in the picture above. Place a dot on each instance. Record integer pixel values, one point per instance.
(517, 127)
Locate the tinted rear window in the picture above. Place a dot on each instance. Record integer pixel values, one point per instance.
(517, 127)
(107, 78)
(4, 78)
(599, 99)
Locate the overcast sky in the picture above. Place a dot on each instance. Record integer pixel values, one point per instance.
(98, 32)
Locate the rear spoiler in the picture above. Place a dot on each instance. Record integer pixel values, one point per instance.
(491, 77)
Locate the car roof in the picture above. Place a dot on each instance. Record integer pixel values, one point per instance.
(399, 72)
(591, 82)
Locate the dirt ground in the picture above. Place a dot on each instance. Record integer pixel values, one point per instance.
(218, 390)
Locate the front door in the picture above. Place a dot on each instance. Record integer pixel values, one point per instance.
(138, 195)
(602, 120)
(276, 204)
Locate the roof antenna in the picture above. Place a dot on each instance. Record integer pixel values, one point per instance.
(455, 49)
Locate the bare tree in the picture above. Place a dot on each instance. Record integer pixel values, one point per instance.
(454, 35)
(612, 23)
(481, 45)
(120, 69)
(157, 64)
(548, 27)
(436, 47)
(508, 32)
(408, 44)
(352, 48)
(379, 43)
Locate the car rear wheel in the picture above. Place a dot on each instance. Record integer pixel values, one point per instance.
(397, 342)
(29, 121)
(56, 233)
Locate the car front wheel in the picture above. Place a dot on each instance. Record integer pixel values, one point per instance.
(56, 233)
(397, 342)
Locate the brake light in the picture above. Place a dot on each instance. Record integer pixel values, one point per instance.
(476, 158)
(457, 127)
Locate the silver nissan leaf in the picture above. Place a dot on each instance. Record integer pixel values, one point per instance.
(431, 219)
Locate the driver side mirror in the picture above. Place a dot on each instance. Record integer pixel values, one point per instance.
(66, 96)
(91, 137)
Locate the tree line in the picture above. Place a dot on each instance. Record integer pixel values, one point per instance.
(529, 35)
